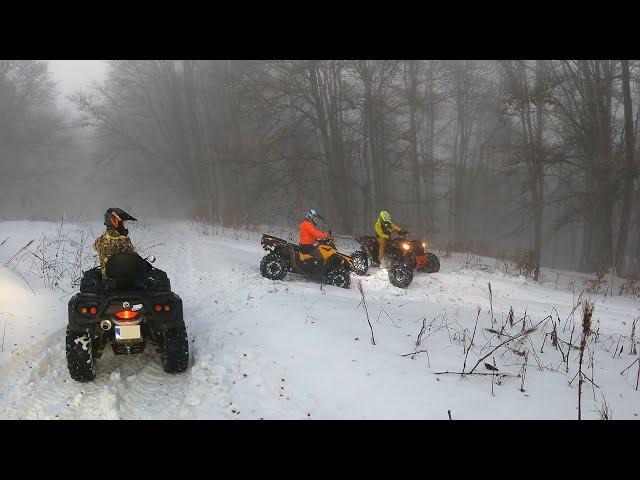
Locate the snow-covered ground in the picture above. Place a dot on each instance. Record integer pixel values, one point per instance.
(294, 350)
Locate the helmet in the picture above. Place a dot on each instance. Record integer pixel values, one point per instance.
(115, 218)
(384, 215)
(313, 216)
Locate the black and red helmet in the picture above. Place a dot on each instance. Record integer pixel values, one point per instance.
(115, 218)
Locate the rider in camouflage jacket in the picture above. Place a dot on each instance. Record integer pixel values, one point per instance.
(115, 239)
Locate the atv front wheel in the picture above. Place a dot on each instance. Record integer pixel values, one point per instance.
(273, 267)
(400, 274)
(339, 278)
(80, 360)
(360, 262)
(433, 263)
(175, 357)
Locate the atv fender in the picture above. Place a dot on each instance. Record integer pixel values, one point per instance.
(335, 262)
(156, 320)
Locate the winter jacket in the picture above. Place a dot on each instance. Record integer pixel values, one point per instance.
(111, 242)
(309, 233)
(384, 229)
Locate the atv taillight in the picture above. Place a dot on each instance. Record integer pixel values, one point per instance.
(126, 314)
(159, 308)
(88, 310)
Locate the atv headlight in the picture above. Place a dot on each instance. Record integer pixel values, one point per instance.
(424, 244)
(406, 246)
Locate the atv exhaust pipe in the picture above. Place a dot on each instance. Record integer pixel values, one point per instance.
(105, 325)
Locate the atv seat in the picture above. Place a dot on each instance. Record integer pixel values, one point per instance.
(125, 271)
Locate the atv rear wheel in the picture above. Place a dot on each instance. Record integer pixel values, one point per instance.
(433, 263)
(175, 357)
(273, 267)
(400, 274)
(339, 278)
(80, 360)
(360, 262)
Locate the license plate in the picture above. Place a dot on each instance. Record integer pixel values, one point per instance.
(127, 332)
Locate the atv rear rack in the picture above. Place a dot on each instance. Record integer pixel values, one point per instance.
(271, 240)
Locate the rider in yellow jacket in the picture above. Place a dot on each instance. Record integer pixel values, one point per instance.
(384, 227)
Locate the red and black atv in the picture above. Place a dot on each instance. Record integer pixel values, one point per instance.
(130, 309)
(403, 257)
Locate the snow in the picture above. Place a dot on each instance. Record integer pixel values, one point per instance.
(296, 350)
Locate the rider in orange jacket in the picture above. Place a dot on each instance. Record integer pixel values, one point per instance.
(309, 234)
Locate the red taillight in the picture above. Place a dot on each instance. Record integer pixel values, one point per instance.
(88, 310)
(157, 308)
(126, 314)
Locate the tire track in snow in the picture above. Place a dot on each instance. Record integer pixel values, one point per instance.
(125, 387)
(36, 383)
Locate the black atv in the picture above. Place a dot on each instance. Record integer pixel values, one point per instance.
(403, 256)
(283, 257)
(133, 306)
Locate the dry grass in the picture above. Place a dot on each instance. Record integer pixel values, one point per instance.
(57, 259)
(631, 287)
(525, 263)
(593, 285)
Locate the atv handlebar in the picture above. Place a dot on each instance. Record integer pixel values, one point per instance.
(325, 241)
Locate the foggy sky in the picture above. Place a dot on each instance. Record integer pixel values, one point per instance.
(73, 75)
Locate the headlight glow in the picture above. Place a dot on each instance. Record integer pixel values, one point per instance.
(405, 246)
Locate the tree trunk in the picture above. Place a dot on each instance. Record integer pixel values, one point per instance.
(539, 167)
(628, 170)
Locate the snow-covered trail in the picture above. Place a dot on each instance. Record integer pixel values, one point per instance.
(290, 349)
(36, 384)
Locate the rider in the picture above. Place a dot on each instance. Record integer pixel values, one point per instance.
(115, 239)
(309, 234)
(384, 227)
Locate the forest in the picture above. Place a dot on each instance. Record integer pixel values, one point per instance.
(537, 159)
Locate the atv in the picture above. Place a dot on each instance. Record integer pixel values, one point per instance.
(133, 306)
(403, 255)
(286, 257)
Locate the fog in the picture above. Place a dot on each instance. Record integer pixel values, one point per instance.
(530, 158)
(73, 75)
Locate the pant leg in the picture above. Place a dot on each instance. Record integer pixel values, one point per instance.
(316, 253)
(311, 250)
(381, 244)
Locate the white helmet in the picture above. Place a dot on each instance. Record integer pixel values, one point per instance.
(313, 216)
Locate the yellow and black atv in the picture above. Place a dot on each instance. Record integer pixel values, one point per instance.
(286, 257)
